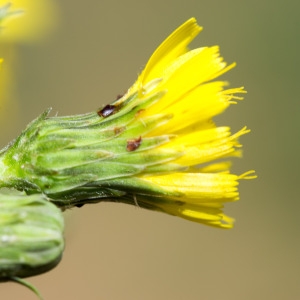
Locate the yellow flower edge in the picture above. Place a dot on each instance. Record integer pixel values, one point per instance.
(193, 97)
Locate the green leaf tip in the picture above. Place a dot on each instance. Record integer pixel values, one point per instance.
(27, 285)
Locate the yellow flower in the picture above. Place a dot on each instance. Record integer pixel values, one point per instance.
(26, 20)
(156, 147)
(198, 186)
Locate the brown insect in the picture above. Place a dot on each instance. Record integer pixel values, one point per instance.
(133, 144)
(107, 110)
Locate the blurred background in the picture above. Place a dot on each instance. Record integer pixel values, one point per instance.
(114, 251)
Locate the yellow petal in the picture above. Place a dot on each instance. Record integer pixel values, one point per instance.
(174, 46)
(200, 187)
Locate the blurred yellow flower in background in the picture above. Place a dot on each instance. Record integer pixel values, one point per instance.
(21, 21)
(27, 20)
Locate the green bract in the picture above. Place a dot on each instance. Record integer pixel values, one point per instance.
(80, 159)
(31, 235)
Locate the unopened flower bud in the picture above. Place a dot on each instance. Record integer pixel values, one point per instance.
(31, 235)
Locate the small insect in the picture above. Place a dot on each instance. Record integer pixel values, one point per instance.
(133, 144)
(107, 110)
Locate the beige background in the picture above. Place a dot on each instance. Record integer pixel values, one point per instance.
(122, 252)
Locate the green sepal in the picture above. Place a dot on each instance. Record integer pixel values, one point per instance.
(68, 158)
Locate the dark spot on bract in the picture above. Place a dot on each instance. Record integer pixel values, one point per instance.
(107, 110)
(139, 112)
(118, 130)
(119, 96)
(133, 144)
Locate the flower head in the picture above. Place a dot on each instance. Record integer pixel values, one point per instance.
(156, 147)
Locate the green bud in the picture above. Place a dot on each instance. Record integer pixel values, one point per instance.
(31, 235)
